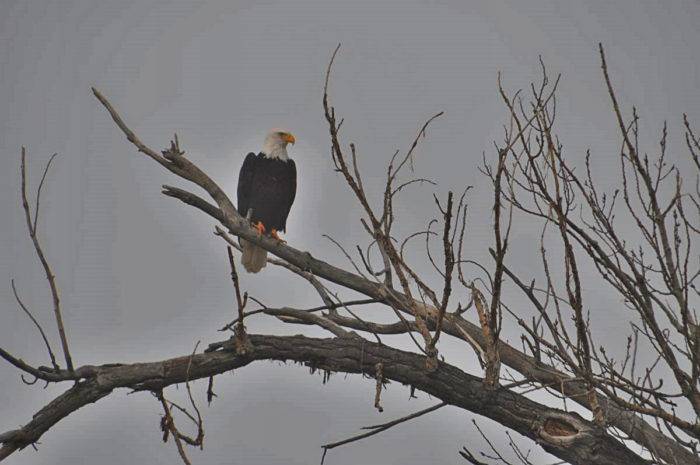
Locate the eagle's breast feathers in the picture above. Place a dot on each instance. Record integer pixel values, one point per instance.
(267, 186)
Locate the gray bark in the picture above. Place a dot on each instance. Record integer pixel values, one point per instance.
(564, 434)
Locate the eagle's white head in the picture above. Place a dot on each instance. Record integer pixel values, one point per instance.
(275, 145)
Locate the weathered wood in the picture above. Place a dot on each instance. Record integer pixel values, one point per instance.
(566, 435)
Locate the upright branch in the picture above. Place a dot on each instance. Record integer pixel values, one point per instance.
(31, 226)
(501, 239)
(490, 317)
(449, 255)
(492, 362)
(241, 301)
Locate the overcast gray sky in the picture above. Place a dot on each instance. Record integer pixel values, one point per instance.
(143, 278)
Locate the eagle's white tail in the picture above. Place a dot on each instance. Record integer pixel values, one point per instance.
(254, 258)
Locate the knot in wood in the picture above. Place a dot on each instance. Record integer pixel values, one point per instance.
(559, 428)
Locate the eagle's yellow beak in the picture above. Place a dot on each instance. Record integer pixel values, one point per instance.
(289, 138)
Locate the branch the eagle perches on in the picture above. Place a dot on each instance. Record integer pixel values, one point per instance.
(422, 313)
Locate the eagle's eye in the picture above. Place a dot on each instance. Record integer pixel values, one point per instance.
(285, 137)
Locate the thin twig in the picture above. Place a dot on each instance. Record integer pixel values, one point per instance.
(376, 429)
(36, 323)
(40, 253)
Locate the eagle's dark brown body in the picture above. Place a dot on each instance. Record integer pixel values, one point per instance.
(268, 187)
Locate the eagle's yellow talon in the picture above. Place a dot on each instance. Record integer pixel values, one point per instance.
(275, 235)
(260, 227)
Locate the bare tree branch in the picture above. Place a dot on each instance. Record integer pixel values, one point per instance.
(31, 226)
(565, 435)
(36, 323)
(376, 429)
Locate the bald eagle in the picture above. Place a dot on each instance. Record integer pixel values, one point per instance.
(267, 186)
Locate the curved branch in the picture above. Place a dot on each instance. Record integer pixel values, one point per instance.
(566, 435)
(36, 323)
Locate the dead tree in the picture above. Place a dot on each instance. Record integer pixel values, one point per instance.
(634, 418)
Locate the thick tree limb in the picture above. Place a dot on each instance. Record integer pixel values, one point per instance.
(565, 435)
